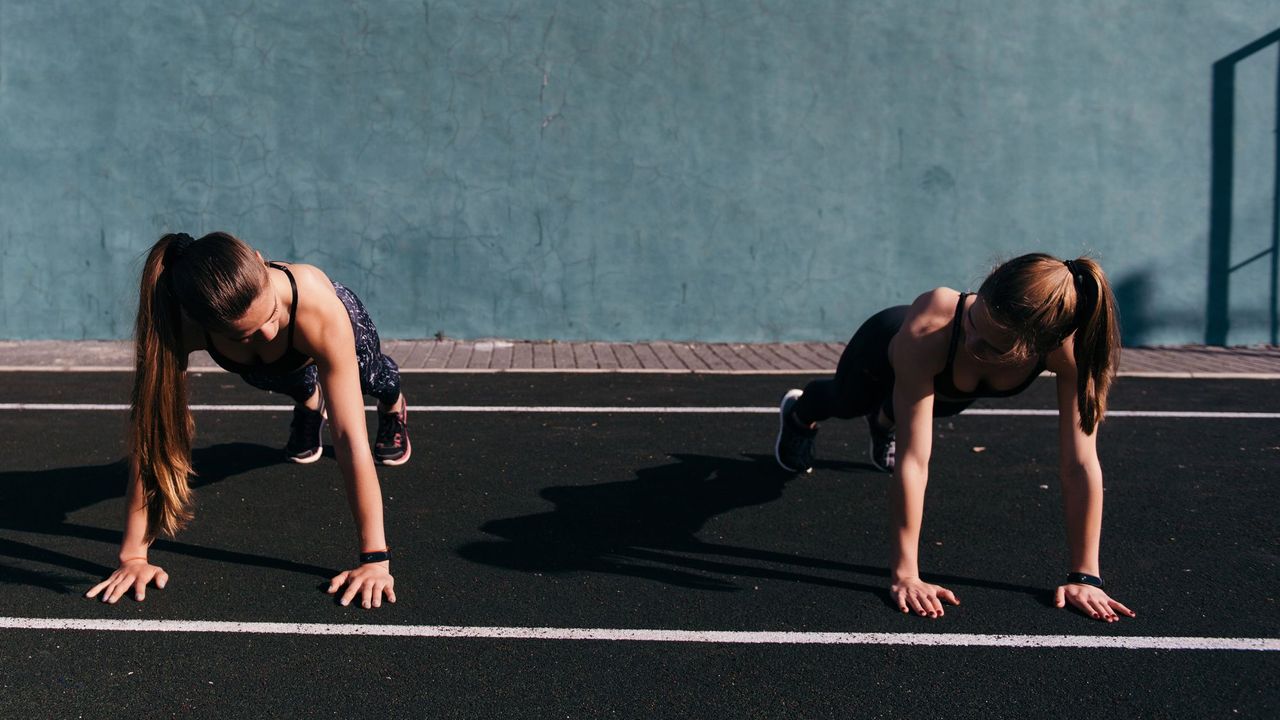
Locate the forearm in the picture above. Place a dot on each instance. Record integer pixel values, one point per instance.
(364, 494)
(906, 501)
(135, 543)
(1082, 507)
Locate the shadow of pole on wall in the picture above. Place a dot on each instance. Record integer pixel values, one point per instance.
(1218, 321)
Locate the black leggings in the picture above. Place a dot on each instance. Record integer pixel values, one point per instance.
(864, 378)
(379, 375)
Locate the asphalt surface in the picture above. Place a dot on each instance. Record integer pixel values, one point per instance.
(663, 521)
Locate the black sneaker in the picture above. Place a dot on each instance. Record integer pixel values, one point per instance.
(304, 444)
(794, 449)
(392, 444)
(883, 445)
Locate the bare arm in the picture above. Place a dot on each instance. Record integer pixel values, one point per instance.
(1082, 491)
(325, 333)
(917, 353)
(913, 405)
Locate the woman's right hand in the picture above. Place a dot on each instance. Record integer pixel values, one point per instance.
(915, 595)
(136, 573)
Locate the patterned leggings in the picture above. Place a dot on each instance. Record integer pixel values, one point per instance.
(379, 374)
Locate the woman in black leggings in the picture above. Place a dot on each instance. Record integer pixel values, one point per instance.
(909, 364)
(284, 328)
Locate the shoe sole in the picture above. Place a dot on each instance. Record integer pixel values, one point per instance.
(408, 445)
(871, 455)
(408, 450)
(318, 452)
(782, 423)
(871, 451)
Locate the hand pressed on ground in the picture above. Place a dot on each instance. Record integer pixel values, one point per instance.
(135, 573)
(370, 581)
(924, 599)
(1092, 601)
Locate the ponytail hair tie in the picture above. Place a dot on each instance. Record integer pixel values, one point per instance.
(178, 244)
(1075, 274)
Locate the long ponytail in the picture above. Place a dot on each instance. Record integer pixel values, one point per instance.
(160, 424)
(1043, 301)
(1097, 340)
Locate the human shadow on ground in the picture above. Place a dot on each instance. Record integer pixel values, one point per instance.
(40, 502)
(647, 528)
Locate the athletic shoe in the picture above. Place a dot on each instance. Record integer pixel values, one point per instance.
(392, 444)
(795, 445)
(304, 444)
(883, 445)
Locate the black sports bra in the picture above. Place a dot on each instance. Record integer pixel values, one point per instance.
(292, 360)
(944, 384)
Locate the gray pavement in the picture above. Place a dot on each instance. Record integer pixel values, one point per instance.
(449, 355)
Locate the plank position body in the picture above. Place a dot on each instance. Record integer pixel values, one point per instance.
(909, 364)
(283, 328)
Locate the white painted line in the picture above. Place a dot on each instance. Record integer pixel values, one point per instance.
(642, 635)
(1186, 414)
(641, 410)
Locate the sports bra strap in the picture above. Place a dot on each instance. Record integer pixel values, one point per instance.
(955, 335)
(293, 321)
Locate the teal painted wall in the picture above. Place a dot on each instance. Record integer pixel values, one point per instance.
(719, 170)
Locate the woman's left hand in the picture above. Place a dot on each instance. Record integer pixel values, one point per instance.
(370, 581)
(1092, 601)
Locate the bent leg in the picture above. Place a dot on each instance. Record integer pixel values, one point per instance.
(379, 374)
(864, 377)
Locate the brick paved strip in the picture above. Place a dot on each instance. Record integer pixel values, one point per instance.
(627, 358)
(667, 356)
(790, 360)
(826, 354)
(770, 353)
(417, 353)
(812, 357)
(481, 355)
(440, 352)
(604, 356)
(709, 357)
(730, 358)
(583, 357)
(522, 356)
(646, 356)
(460, 356)
(562, 354)
(751, 357)
(542, 356)
(502, 354)
(688, 357)
(397, 350)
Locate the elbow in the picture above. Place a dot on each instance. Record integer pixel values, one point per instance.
(341, 436)
(912, 468)
(1080, 472)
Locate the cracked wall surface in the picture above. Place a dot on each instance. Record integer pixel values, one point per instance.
(717, 170)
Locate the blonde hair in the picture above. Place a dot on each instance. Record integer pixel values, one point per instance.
(214, 280)
(1043, 301)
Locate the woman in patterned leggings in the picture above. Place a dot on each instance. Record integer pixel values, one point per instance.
(283, 328)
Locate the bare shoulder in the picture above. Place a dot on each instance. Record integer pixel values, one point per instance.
(1062, 359)
(310, 279)
(317, 302)
(921, 344)
(931, 311)
(321, 317)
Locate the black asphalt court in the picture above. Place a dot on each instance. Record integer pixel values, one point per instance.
(652, 520)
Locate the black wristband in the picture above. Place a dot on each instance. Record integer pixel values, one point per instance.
(1084, 579)
(375, 557)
